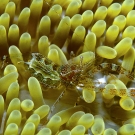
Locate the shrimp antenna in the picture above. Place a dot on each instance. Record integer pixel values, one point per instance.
(54, 104)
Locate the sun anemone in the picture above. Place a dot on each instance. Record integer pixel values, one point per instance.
(67, 67)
